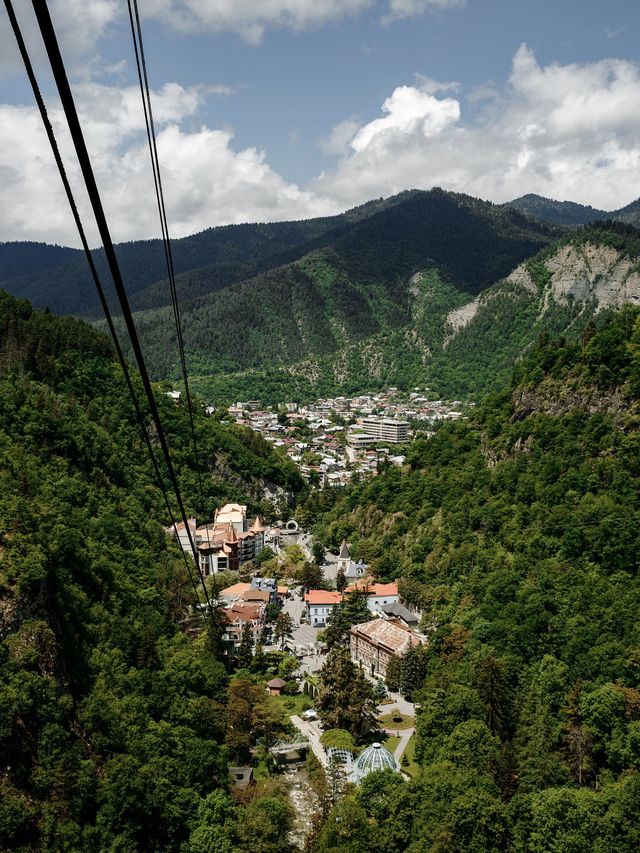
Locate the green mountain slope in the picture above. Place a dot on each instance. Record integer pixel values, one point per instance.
(355, 287)
(57, 278)
(570, 213)
(112, 720)
(457, 346)
(517, 536)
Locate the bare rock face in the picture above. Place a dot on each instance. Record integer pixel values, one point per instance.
(522, 278)
(599, 276)
(590, 272)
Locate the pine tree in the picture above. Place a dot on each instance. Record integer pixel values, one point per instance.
(393, 675)
(283, 628)
(245, 649)
(346, 697)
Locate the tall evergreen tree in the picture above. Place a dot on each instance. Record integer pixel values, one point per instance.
(245, 649)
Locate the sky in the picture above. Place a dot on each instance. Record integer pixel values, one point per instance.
(286, 109)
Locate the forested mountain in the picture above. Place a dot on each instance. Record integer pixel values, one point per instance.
(354, 288)
(461, 347)
(517, 534)
(570, 213)
(383, 294)
(112, 720)
(27, 259)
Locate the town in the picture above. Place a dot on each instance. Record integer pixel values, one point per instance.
(337, 439)
(312, 615)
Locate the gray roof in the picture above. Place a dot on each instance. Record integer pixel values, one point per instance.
(401, 611)
(344, 550)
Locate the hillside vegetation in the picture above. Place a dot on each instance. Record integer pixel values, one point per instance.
(462, 347)
(112, 721)
(517, 534)
(333, 302)
(570, 213)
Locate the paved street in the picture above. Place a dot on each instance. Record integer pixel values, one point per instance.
(330, 566)
(313, 733)
(304, 636)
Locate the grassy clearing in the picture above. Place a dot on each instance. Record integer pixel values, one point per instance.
(295, 704)
(391, 743)
(397, 721)
(412, 768)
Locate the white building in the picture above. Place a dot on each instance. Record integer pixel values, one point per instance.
(320, 604)
(235, 514)
(387, 429)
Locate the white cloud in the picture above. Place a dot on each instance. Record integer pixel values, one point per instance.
(410, 8)
(250, 18)
(565, 131)
(409, 110)
(340, 137)
(79, 24)
(206, 181)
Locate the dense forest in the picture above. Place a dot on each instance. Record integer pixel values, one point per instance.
(517, 534)
(570, 213)
(457, 360)
(113, 722)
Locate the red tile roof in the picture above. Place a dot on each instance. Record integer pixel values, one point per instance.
(322, 596)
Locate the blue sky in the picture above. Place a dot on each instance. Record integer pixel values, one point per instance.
(290, 108)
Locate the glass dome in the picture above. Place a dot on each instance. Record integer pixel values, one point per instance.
(374, 757)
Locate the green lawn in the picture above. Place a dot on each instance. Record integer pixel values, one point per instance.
(388, 722)
(413, 768)
(392, 742)
(295, 704)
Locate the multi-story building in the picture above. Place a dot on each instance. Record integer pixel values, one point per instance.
(374, 643)
(352, 570)
(235, 514)
(238, 615)
(320, 604)
(386, 429)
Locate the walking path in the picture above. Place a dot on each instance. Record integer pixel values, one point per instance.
(405, 736)
(314, 738)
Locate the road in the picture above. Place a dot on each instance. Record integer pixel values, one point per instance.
(304, 639)
(313, 734)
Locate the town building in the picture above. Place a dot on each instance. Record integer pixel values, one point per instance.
(238, 615)
(320, 604)
(235, 514)
(398, 611)
(374, 643)
(276, 686)
(386, 429)
(378, 594)
(360, 440)
(352, 570)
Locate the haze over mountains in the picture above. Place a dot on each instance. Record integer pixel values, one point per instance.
(388, 292)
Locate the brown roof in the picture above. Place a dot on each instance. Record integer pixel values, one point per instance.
(258, 525)
(256, 595)
(236, 589)
(243, 613)
(388, 634)
(277, 683)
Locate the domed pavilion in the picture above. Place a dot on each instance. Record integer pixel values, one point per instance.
(374, 757)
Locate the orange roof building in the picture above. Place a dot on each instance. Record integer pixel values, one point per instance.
(320, 604)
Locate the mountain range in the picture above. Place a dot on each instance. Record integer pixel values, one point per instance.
(423, 287)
